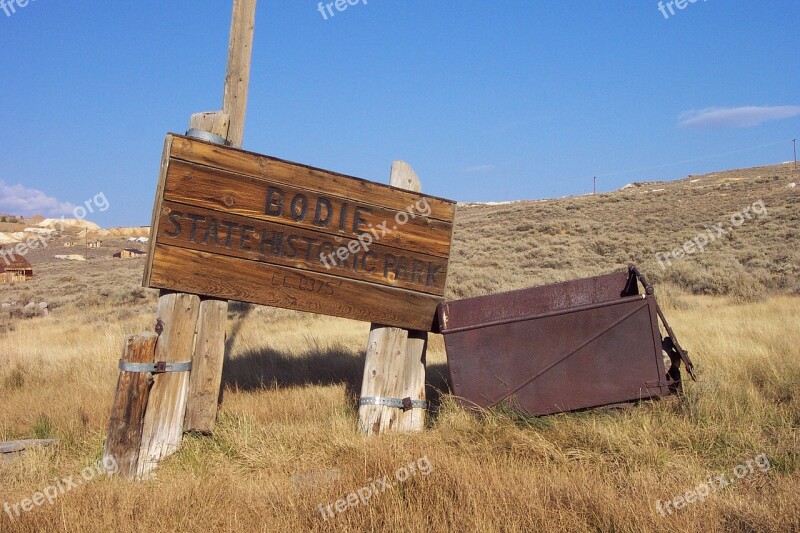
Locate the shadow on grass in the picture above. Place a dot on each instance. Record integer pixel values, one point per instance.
(437, 383)
(266, 368)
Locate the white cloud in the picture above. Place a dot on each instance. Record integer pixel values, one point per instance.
(736, 117)
(20, 200)
(478, 169)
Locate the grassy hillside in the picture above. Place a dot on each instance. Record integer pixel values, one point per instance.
(286, 440)
(527, 243)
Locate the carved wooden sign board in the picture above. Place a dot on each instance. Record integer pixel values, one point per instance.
(237, 225)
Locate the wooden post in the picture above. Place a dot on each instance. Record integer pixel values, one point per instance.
(164, 405)
(395, 362)
(209, 353)
(163, 421)
(216, 122)
(237, 78)
(130, 402)
(206, 377)
(147, 425)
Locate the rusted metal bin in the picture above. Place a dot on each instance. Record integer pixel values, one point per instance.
(561, 347)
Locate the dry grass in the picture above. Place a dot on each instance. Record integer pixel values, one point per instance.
(527, 243)
(291, 381)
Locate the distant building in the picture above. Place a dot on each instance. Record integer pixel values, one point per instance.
(70, 244)
(128, 253)
(14, 269)
(94, 244)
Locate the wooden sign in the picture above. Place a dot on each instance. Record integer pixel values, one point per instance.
(241, 226)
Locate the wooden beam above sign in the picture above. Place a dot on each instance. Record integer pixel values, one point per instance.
(242, 226)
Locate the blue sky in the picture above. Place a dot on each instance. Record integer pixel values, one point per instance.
(488, 101)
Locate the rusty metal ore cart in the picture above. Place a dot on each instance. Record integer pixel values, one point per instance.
(562, 347)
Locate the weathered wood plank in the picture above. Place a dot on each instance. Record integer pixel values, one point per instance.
(206, 377)
(394, 366)
(163, 422)
(205, 380)
(288, 173)
(249, 281)
(177, 314)
(162, 180)
(237, 77)
(295, 206)
(16, 446)
(268, 242)
(192, 190)
(413, 380)
(130, 403)
(216, 122)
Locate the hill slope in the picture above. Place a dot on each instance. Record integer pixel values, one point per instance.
(502, 247)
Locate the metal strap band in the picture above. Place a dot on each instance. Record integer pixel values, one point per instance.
(405, 403)
(206, 136)
(156, 368)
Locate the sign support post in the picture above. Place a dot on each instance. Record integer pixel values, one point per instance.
(394, 368)
(190, 328)
(209, 352)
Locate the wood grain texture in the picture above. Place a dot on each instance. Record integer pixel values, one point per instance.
(162, 180)
(130, 404)
(178, 314)
(227, 192)
(394, 366)
(16, 446)
(248, 281)
(320, 214)
(216, 122)
(205, 379)
(237, 76)
(163, 423)
(206, 376)
(288, 173)
(248, 241)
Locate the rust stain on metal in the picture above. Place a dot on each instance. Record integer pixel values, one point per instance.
(561, 347)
